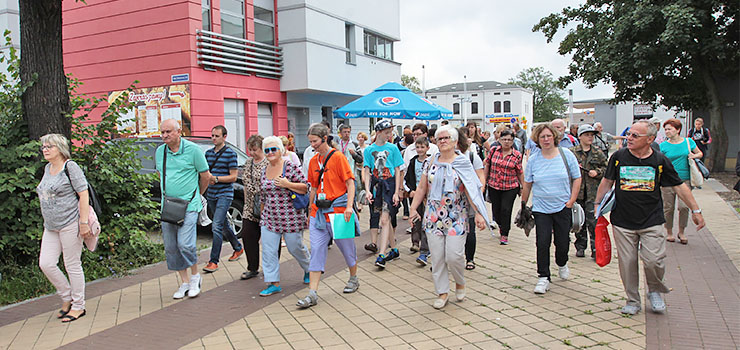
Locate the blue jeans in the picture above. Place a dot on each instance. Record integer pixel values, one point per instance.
(179, 242)
(271, 257)
(218, 208)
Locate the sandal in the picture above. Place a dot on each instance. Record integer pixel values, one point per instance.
(63, 313)
(69, 318)
(470, 265)
(670, 239)
(683, 240)
(371, 247)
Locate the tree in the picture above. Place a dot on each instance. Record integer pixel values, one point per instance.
(46, 101)
(549, 102)
(410, 82)
(661, 52)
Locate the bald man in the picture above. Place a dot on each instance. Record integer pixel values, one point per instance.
(566, 140)
(183, 173)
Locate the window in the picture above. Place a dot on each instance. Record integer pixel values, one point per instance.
(507, 106)
(349, 43)
(474, 108)
(497, 107)
(475, 95)
(264, 118)
(496, 93)
(232, 18)
(378, 46)
(264, 26)
(507, 93)
(455, 108)
(205, 11)
(433, 97)
(453, 96)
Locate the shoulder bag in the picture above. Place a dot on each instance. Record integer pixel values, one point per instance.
(577, 214)
(697, 178)
(92, 218)
(173, 208)
(300, 201)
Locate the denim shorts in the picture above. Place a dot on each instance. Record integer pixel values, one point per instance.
(179, 242)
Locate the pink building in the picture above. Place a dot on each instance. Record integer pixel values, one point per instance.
(206, 62)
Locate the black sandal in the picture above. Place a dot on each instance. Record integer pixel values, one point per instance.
(63, 313)
(69, 318)
(470, 265)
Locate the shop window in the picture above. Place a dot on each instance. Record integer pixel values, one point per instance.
(507, 106)
(474, 108)
(232, 18)
(497, 107)
(205, 11)
(455, 108)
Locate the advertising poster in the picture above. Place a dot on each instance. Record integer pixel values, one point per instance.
(153, 105)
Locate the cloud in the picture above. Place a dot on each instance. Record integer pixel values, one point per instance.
(483, 40)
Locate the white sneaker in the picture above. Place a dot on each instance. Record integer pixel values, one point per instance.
(564, 272)
(543, 285)
(194, 286)
(181, 291)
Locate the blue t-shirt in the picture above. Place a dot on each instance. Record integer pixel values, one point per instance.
(183, 172)
(565, 142)
(225, 163)
(550, 182)
(679, 156)
(393, 160)
(418, 170)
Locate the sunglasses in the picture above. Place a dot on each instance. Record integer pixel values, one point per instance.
(270, 150)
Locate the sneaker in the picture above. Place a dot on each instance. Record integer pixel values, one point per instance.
(543, 285)
(564, 272)
(310, 300)
(270, 290)
(422, 260)
(306, 278)
(352, 285)
(414, 248)
(236, 255)
(393, 255)
(580, 253)
(630, 309)
(494, 226)
(182, 291)
(211, 267)
(504, 240)
(371, 247)
(195, 281)
(380, 261)
(657, 302)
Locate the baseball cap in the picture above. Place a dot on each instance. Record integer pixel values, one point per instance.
(585, 128)
(383, 124)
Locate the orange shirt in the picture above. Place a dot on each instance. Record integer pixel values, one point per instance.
(335, 177)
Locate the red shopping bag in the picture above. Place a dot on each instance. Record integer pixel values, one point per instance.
(603, 243)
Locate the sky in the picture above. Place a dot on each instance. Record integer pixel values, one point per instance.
(483, 40)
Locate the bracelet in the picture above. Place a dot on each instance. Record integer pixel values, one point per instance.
(83, 223)
(697, 211)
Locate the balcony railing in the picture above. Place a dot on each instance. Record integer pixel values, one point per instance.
(239, 55)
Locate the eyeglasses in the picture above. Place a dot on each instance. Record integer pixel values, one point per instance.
(444, 138)
(45, 147)
(545, 136)
(635, 135)
(270, 150)
(417, 134)
(506, 140)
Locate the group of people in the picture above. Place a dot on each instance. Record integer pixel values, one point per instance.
(446, 175)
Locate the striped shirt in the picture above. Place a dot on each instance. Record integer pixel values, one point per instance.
(550, 182)
(225, 163)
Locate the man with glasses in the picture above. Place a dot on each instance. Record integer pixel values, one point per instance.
(223, 166)
(637, 218)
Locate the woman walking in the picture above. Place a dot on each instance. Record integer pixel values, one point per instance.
(253, 169)
(504, 179)
(65, 224)
(548, 178)
(451, 188)
(676, 148)
(279, 218)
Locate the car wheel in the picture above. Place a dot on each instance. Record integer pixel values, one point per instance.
(235, 219)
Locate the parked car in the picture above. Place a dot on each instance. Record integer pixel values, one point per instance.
(146, 154)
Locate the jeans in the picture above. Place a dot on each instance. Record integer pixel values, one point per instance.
(549, 225)
(418, 236)
(588, 230)
(271, 249)
(179, 242)
(218, 207)
(502, 203)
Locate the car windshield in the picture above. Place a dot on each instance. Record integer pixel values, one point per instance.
(146, 153)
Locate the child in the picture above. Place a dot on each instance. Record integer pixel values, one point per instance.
(413, 175)
(382, 178)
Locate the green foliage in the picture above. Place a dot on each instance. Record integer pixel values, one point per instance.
(410, 82)
(127, 212)
(549, 102)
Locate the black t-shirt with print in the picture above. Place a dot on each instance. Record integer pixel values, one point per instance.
(638, 201)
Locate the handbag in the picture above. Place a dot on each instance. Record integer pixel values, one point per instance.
(697, 178)
(602, 242)
(578, 216)
(173, 208)
(300, 201)
(91, 242)
(703, 168)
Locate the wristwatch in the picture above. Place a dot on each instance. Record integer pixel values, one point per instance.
(697, 211)
(216, 178)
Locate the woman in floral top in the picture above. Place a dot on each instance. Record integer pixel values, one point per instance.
(504, 178)
(451, 187)
(251, 232)
(279, 218)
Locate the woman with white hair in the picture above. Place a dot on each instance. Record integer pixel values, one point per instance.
(280, 219)
(451, 187)
(65, 224)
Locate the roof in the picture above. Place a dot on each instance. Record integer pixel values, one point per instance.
(473, 86)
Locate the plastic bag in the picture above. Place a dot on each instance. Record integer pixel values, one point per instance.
(603, 242)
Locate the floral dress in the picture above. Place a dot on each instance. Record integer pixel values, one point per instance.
(448, 216)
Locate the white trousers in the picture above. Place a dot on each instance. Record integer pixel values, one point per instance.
(448, 256)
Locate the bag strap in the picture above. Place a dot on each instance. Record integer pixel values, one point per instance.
(565, 161)
(322, 169)
(218, 155)
(66, 171)
(164, 175)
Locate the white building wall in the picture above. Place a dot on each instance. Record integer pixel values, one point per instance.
(9, 20)
(519, 98)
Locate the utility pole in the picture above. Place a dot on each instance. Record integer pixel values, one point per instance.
(423, 82)
(570, 104)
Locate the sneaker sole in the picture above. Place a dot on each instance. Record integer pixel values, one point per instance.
(267, 295)
(422, 262)
(379, 265)
(210, 270)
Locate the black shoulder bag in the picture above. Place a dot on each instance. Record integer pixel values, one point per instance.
(173, 208)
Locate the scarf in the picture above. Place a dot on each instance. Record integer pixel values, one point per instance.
(444, 182)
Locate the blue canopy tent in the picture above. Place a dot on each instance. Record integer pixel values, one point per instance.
(393, 100)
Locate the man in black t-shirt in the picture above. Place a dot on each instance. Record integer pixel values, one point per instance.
(638, 172)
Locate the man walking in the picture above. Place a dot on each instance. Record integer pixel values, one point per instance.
(568, 140)
(348, 147)
(593, 164)
(223, 166)
(183, 173)
(520, 134)
(637, 218)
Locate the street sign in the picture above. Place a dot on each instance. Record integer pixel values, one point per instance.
(178, 78)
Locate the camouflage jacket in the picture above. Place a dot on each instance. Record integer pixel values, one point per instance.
(596, 160)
